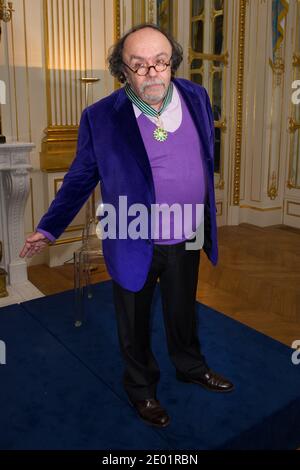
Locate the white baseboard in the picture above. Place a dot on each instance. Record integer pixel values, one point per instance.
(20, 293)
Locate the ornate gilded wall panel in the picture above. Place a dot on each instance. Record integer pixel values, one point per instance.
(208, 58)
(239, 104)
(294, 120)
(138, 12)
(71, 72)
(279, 31)
(167, 15)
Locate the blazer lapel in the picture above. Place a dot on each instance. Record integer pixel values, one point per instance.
(128, 130)
(199, 115)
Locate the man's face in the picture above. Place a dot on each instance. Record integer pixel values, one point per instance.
(148, 46)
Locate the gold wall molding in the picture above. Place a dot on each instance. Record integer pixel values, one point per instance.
(66, 241)
(272, 190)
(117, 31)
(219, 205)
(291, 183)
(151, 11)
(14, 67)
(67, 47)
(207, 69)
(221, 184)
(32, 205)
(275, 132)
(117, 19)
(239, 104)
(68, 32)
(260, 209)
(202, 55)
(222, 124)
(175, 17)
(293, 125)
(296, 60)
(260, 1)
(74, 228)
(293, 120)
(58, 148)
(27, 70)
(277, 67)
(288, 208)
(138, 12)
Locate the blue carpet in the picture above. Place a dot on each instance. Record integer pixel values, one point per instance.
(62, 386)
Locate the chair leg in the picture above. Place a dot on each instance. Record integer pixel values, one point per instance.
(87, 270)
(79, 290)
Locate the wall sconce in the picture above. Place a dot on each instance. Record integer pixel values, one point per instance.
(87, 82)
(6, 10)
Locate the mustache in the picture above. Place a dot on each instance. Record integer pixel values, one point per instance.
(151, 82)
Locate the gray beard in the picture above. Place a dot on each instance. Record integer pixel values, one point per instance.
(152, 98)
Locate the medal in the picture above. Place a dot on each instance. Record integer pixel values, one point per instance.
(160, 134)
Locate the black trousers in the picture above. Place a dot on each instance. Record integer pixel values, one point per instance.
(177, 270)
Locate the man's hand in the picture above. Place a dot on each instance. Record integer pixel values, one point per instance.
(34, 243)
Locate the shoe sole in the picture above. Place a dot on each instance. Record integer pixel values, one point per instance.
(153, 424)
(205, 386)
(146, 421)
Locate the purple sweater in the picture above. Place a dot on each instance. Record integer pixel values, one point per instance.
(179, 177)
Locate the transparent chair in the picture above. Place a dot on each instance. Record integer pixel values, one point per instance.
(86, 260)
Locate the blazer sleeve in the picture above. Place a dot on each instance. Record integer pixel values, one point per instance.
(211, 124)
(77, 186)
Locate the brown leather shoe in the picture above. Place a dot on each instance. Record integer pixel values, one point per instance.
(210, 380)
(151, 412)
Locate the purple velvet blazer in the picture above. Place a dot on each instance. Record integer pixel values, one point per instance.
(110, 150)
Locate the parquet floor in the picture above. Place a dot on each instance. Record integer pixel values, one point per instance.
(257, 279)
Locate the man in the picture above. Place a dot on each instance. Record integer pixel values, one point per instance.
(153, 142)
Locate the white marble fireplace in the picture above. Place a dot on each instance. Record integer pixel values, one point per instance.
(14, 189)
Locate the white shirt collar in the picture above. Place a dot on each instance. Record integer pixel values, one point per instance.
(171, 116)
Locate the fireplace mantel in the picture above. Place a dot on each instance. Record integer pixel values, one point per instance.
(14, 189)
